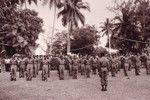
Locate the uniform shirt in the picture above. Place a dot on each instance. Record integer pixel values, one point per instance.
(103, 62)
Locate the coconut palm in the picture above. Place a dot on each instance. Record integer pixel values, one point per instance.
(107, 30)
(55, 4)
(71, 15)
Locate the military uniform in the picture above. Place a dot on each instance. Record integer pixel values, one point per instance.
(29, 73)
(148, 66)
(103, 65)
(22, 68)
(83, 62)
(137, 66)
(13, 70)
(94, 65)
(88, 68)
(61, 68)
(75, 68)
(35, 67)
(45, 70)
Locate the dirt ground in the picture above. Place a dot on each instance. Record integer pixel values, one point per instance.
(119, 88)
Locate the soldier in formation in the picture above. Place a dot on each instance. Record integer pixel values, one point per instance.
(103, 64)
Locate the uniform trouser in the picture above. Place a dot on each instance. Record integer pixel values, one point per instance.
(49, 68)
(88, 70)
(103, 75)
(29, 73)
(13, 72)
(82, 69)
(147, 66)
(94, 68)
(75, 72)
(61, 72)
(34, 71)
(70, 70)
(22, 71)
(44, 72)
(3, 68)
(137, 69)
(113, 69)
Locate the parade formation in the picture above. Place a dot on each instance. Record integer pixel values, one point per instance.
(101, 65)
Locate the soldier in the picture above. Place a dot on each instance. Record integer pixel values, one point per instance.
(145, 62)
(126, 66)
(61, 67)
(113, 66)
(49, 65)
(3, 65)
(22, 67)
(88, 67)
(34, 66)
(29, 73)
(75, 67)
(45, 69)
(83, 65)
(148, 65)
(103, 65)
(13, 70)
(18, 61)
(94, 64)
(137, 65)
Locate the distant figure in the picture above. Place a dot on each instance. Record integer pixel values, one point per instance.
(7, 65)
(61, 67)
(29, 73)
(75, 67)
(45, 69)
(22, 68)
(13, 72)
(88, 69)
(103, 65)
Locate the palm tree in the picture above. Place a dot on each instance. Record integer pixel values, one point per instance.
(107, 30)
(55, 4)
(71, 15)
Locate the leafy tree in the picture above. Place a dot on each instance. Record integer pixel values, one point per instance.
(84, 39)
(71, 15)
(19, 29)
(130, 27)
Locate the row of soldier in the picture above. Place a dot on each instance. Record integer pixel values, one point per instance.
(30, 66)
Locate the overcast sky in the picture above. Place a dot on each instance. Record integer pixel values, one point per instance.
(98, 14)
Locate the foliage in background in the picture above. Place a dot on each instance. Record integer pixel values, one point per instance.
(19, 29)
(131, 22)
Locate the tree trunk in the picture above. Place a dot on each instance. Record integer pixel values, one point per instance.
(68, 38)
(53, 30)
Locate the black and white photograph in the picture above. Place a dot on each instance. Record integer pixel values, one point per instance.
(74, 49)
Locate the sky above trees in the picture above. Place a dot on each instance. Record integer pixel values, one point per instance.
(98, 14)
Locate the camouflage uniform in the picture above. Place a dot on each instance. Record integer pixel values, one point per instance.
(45, 70)
(103, 65)
(13, 70)
(29, 73)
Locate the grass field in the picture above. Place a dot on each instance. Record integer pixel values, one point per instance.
(119, 88)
